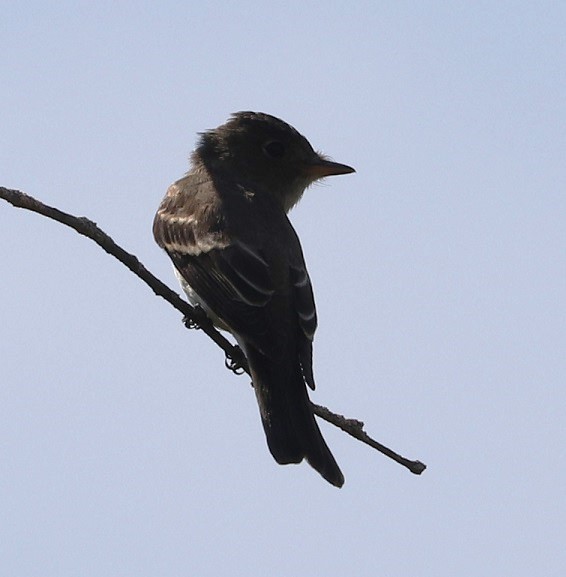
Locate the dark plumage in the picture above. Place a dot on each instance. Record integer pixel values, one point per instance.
(225, 228)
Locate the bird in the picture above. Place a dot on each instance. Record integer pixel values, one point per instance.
(224, 226)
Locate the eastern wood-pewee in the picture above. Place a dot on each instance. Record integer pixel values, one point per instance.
(225, 228)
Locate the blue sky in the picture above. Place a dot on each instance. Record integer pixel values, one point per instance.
(439, 274)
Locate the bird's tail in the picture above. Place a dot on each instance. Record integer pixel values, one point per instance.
(288, 420)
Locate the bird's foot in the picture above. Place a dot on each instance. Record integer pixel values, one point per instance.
(233, 363)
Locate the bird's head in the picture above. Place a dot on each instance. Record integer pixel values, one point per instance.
(265, 151)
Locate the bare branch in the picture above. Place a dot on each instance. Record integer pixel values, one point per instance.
(355, 428)
(194, 317)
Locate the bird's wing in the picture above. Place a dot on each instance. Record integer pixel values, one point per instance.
(303, 298)
(239, 280)
(234, 285)
(303, 304)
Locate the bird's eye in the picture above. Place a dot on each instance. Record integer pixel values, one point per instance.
(274, 149)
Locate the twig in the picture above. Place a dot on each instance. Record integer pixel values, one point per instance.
(194, 317)
(355, 428)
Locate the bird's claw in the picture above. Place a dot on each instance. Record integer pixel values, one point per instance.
(233, 365)
(190, 323)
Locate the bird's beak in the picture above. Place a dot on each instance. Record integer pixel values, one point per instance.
(321, 167)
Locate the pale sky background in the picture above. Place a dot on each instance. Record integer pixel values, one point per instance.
(439, 268)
